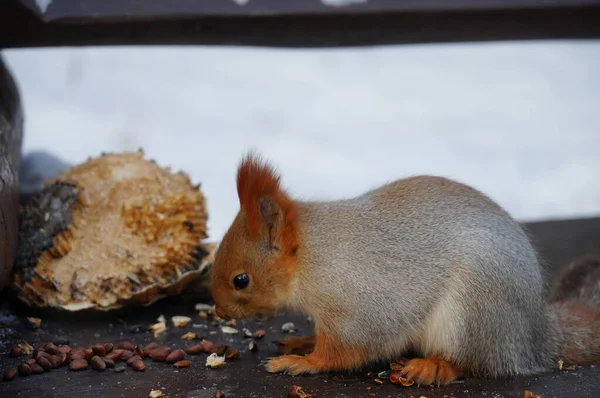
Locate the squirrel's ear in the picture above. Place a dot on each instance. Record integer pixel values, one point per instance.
(270, 213)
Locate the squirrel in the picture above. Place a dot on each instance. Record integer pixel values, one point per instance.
(423, 264)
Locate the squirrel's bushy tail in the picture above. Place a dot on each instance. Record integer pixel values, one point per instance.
(575, 301)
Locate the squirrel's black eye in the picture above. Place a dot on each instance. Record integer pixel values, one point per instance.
(241, 281)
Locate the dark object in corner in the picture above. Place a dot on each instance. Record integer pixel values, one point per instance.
(11, 132)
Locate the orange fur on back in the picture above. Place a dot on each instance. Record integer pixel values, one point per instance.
(255, 180)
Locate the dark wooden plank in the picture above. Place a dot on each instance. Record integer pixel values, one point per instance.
(293, 23)
(559, 242)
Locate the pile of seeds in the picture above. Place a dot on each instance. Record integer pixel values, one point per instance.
(101, 356)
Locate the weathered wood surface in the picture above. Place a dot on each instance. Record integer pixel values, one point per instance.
(292, 23)
(11, 131)
(558, 242)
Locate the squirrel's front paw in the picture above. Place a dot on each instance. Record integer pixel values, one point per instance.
(291, 364)
(426, 371)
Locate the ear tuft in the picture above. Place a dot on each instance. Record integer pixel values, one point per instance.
(264, 202)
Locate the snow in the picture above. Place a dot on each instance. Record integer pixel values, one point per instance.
(519, 121)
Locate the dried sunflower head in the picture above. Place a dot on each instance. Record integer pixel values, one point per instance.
(112, 231)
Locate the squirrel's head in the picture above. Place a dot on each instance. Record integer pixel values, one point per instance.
(254, 264)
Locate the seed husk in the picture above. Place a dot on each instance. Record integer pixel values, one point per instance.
(133, 359)
(126, 345)
(214, 361)
(56, 361)
(78, 364)
(137, 328)
(396, 377)
(36, 369)
(180, 321)
(125, 355)
(97, 363)
(33, 322)
(24, 370)
(16, 352)
(297, 392)
(259, 334)
(99, 350)
(189, 336)
(138, 365)
(232, 353)
(289, 327)
(119, 369)
(229, 330)
(44, 363)
(219, 394)
(252, 347)
(109, 362)
(10, 374)
(175, 356)
(160, 354)
(30, 361)
(26, 347)
(182, 364)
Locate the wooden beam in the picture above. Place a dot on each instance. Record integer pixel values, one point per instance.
(291, 23)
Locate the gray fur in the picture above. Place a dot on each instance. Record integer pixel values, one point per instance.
(428, 264)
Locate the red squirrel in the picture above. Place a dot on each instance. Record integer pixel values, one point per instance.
(424, 264)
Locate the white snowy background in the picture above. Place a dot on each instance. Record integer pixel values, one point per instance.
(519, 121)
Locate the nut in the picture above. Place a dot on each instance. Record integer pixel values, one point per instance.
(175, 356)
(10, 374)
(36, 369)
(51, 349)
(44, 363)
(78, 364)
(88, 354)
(133, 359)
(397, 378)
(219, 348)
(125, 355)
(16, 352)
(160, 354)
(56, 361)
(259, 334)
(99, 350)
(79, 354)
(108, 347)
(109, 362)
(297, 392)
(182, 364)
(24, 370)
(148, 349)
(139, 350)
(98, 363)
(195, 349)
(126, 345)
(138, 365)
(113, 356)
(63, 358)
(232, 353)
(64, 348)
